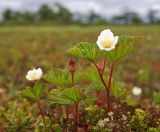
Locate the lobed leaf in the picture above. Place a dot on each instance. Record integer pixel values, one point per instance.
(38, 89)
(28, 92)
(73, 94)
(56, 98)
(66, 96)
(58, 77)
(126, 44)
(93, 76)
(85, 50)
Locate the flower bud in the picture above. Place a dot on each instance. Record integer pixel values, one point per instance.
(71, 66)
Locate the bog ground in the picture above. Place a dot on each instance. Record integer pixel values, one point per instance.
(29, 46)
(25, 47)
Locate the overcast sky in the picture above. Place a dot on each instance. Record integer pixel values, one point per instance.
(103, 7)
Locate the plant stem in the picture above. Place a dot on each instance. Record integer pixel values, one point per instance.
(19, 128)
(100, 74)
(39, 106)
(110, 75)
(72, 74)
(106, 86)
(76, 115)
(75, 105)
(104, 65)
(67, 111)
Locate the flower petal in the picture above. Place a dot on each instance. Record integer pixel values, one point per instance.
(100, 43)
(109, 49)
(106, 34)
(115, 40)
(28, 77)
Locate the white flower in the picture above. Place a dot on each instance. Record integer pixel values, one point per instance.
(124, 117)
(136, 91)
(110, 114)
(101, 123)
(34, 74)
(106, 40)
(106, 119)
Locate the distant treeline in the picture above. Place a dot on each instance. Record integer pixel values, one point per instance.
(61, 15)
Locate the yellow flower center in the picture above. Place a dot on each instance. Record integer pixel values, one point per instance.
(107, 43)
(34, 75)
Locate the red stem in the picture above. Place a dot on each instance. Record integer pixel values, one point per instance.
(109, 82)
(100, 75)
(39, 106)
(107, 89)
(75, 105)
(110, 79)
(41, 112)
(110, 75)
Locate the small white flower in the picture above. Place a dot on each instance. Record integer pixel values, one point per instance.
(34, 74)
(106, 40)
(101, 123)
(124, 117)
(136, 91)
(110, 114)
(106, 119)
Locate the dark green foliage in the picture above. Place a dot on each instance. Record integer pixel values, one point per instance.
(139, 120)
(45, 13)
(7, 15)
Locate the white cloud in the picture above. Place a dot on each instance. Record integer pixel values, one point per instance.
(11, 4)
(84, 7)
(105, 8)
(156, 7)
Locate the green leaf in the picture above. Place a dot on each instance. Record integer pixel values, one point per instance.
(58, 77)
(57, 128)
(93, 76)
(38, 89)
(117, 89)
(85, 50)
(28, 92)
(56, 98)
(33, 92)
(90, 101)
(156, 96)
(73, 94)
(66, 96)
(126, 44)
